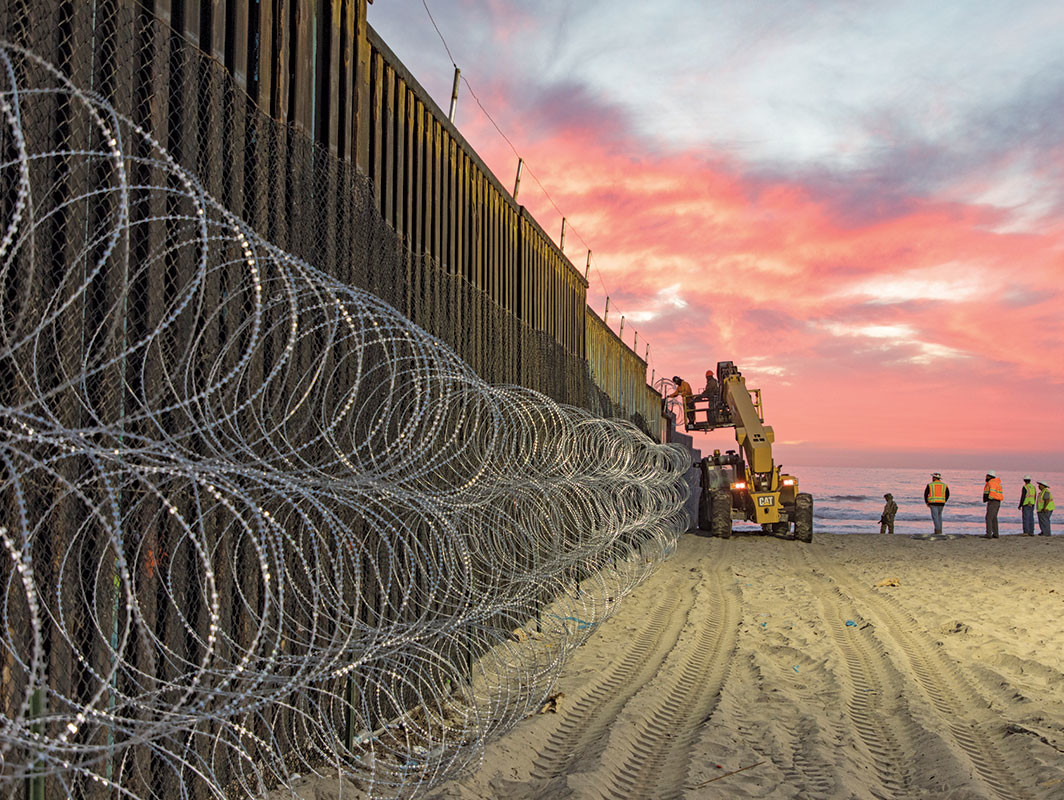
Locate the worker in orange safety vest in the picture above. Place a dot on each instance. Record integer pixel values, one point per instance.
(683, 388)
(993, 494)
(936, 494)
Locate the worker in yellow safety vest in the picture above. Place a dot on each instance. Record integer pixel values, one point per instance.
(1026, 506)
(992, 496)
(936, 494)
(1045, 507)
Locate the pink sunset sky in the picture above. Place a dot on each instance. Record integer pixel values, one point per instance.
(862, 205)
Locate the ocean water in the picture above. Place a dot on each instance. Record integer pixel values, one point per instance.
(850, 499)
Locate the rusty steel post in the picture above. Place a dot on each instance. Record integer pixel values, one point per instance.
(454, 94)
(517, 180)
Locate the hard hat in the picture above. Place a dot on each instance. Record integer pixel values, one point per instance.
(709, 372)
(991, 473)
(1026, 477)
(936, 474)
(1043, 483)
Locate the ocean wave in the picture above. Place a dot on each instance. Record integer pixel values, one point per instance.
(846, 515)
(876, 501)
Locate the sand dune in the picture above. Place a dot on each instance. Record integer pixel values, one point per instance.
(759, 667)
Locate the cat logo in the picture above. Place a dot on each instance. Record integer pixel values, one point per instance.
(766, 500)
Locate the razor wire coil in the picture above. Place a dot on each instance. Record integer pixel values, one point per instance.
(256, 522)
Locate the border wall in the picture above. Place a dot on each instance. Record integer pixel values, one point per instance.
(619, 372)
(432, 188)
(237, 94)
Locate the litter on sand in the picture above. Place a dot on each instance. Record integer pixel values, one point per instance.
(888, 582)
(550, 706)
(726, 774)
(580, 624)
(851, 624)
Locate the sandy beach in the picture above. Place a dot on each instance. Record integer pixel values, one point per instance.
(760, 667)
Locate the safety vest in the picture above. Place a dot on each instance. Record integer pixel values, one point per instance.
(1029, 494)
(993, 489)
(1045, 500)
(937, 493)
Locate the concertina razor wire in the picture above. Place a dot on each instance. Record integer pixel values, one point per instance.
(257, 523)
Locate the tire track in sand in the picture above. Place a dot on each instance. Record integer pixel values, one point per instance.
(585, 720)
(945, 686)
(798, 751)
(651, 760)
(875, 703)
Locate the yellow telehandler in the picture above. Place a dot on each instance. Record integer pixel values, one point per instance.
(745, 485)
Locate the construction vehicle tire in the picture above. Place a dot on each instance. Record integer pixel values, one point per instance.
(803, 517)
(720, 519)
(705, 510)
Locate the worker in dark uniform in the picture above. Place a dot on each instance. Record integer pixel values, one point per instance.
(712, 386)
(683, 388)
(886, 519)
(993, 494)
(936, 494)
(712, 394)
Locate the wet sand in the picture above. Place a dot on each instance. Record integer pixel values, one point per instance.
(760, 667)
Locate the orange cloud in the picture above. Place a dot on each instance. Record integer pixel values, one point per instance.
(869, 321)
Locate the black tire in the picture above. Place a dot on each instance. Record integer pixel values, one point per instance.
(803, 517)
(720, 519)
(705, 510)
